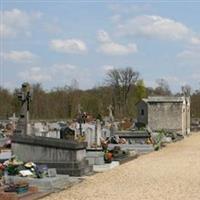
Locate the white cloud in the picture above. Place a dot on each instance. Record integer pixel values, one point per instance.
(195, 40)
(151, 26)
(19, 56)
(103, 36)
(107, 67)
(65, 73)
(35, 74)
(190, 54)
(109, 47)
(112, 48)
(16, 22)
(63, 67)
(6, 31)
(60, 73)
(68, 46)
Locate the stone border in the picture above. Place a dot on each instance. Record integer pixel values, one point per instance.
(48, 142)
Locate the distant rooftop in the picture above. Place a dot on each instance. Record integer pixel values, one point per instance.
(163, 99)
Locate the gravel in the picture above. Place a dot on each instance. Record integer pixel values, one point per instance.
(170, 174)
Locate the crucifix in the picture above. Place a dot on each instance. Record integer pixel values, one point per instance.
(24, 96)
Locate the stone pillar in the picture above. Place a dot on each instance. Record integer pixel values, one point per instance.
(89, 137)
(98, 132)
(188, 115)
(24, 97)
(111, 117)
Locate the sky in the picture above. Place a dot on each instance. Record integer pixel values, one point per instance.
(57, 42)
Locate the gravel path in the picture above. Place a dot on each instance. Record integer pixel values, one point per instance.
(170, 174)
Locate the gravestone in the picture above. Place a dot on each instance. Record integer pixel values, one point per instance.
(110, 109)
(52, 172)
(66, 156)
(67, 133)
(93, 134)
(98, 133)
(105, 132)
(94, 154)
(89, 133)
(13, 120)
(24, 96)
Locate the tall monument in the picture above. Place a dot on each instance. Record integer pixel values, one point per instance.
(24, 96)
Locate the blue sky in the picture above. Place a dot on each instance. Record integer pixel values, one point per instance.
(55, 42)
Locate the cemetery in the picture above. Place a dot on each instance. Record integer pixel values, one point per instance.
(37, 158)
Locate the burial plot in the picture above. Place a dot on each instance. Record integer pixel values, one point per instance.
(66, 156)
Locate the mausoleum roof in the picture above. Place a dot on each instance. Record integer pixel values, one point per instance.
(163, 99)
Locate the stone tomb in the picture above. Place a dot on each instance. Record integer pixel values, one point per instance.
(93, 134)
(95, 156)
(68, 157)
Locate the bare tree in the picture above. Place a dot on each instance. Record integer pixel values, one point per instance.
(128, 77)
(121, 80)
(162, 88)
(113, 80)
(186, 90)
(74, 84)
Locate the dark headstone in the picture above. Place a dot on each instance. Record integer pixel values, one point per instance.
(67, 133)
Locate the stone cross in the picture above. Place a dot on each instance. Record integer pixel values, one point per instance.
(13, 119)
(24, 96)
(80, 120)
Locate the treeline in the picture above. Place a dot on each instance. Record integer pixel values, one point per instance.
(123, 89)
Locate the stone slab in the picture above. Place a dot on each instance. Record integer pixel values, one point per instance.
(35, 153)
(132, 134)
(94, 153)
(48, 183)
(139, 148)
(48, 142)
(95, 161)
(95, 157)
(105, 167)
(125, 159)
